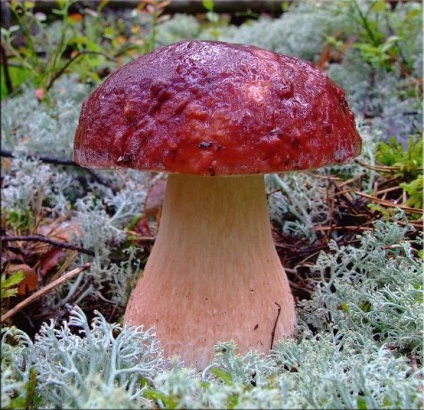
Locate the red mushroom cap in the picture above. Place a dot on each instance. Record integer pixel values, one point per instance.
(213, 108)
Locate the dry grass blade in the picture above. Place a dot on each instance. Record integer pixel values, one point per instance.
(344, 227)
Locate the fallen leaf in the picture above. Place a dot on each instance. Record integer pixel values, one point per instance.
(76, 17)
(50, 260)
(30, 281)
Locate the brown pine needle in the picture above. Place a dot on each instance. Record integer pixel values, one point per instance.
(390, 204)
(379, 168)
(43, 291)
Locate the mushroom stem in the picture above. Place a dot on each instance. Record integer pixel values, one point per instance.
(213, 274)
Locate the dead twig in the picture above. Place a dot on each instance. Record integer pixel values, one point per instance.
(301, 251)
(5, 64)
(46, 159)
(37, 295)
(275, 325)
(70, 61)
(341, 228)
(40, 238)
(62, 161)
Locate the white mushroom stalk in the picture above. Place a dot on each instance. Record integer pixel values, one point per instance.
(213, 273)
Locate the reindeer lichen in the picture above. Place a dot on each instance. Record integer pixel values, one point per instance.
(358, 346)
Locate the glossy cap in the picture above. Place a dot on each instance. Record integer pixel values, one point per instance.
(213, 108)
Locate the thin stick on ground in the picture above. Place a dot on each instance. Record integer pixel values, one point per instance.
(63, 161)
(275, 325)
(37, 295)
(48, 160)
(40, 238)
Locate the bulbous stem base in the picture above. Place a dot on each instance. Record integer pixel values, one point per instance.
(213, 273)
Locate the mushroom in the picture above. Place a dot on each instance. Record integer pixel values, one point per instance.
(216, 117)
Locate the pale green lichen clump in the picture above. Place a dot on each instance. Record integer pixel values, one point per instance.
(359, 342)
(365, 315)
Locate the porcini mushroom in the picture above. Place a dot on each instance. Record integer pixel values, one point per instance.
(216, 117)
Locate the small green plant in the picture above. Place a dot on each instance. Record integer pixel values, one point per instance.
(9, 284)
(407, 163)
(415, 192)
(40, 53)
(377, 43)
(19, 218)
(155, 9)
(407, 167)
(12, 77)
(378, 55)
(29, 57)
(88, 44)
(212, 17)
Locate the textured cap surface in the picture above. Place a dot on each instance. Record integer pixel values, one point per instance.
(213, 108)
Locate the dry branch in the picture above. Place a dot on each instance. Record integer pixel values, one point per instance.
(37, 295)
(40, 238)
(62, 161)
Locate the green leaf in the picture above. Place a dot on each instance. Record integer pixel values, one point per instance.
(156, 395)
(212, 17)
(232, 401)
(102, 4)
(208, 4)
(134, 221)
(7, 283)
(18, 403)
(413, 13)
(379, 6)
(61, 4)
(81, 40)
(19, 219)
(7, 32)
(409, 162)
(205, 385)
(415, 192)
(223, 375)
(362, 404)
(344, 307)
(109, 33)
(12, 280)
(29, 5)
